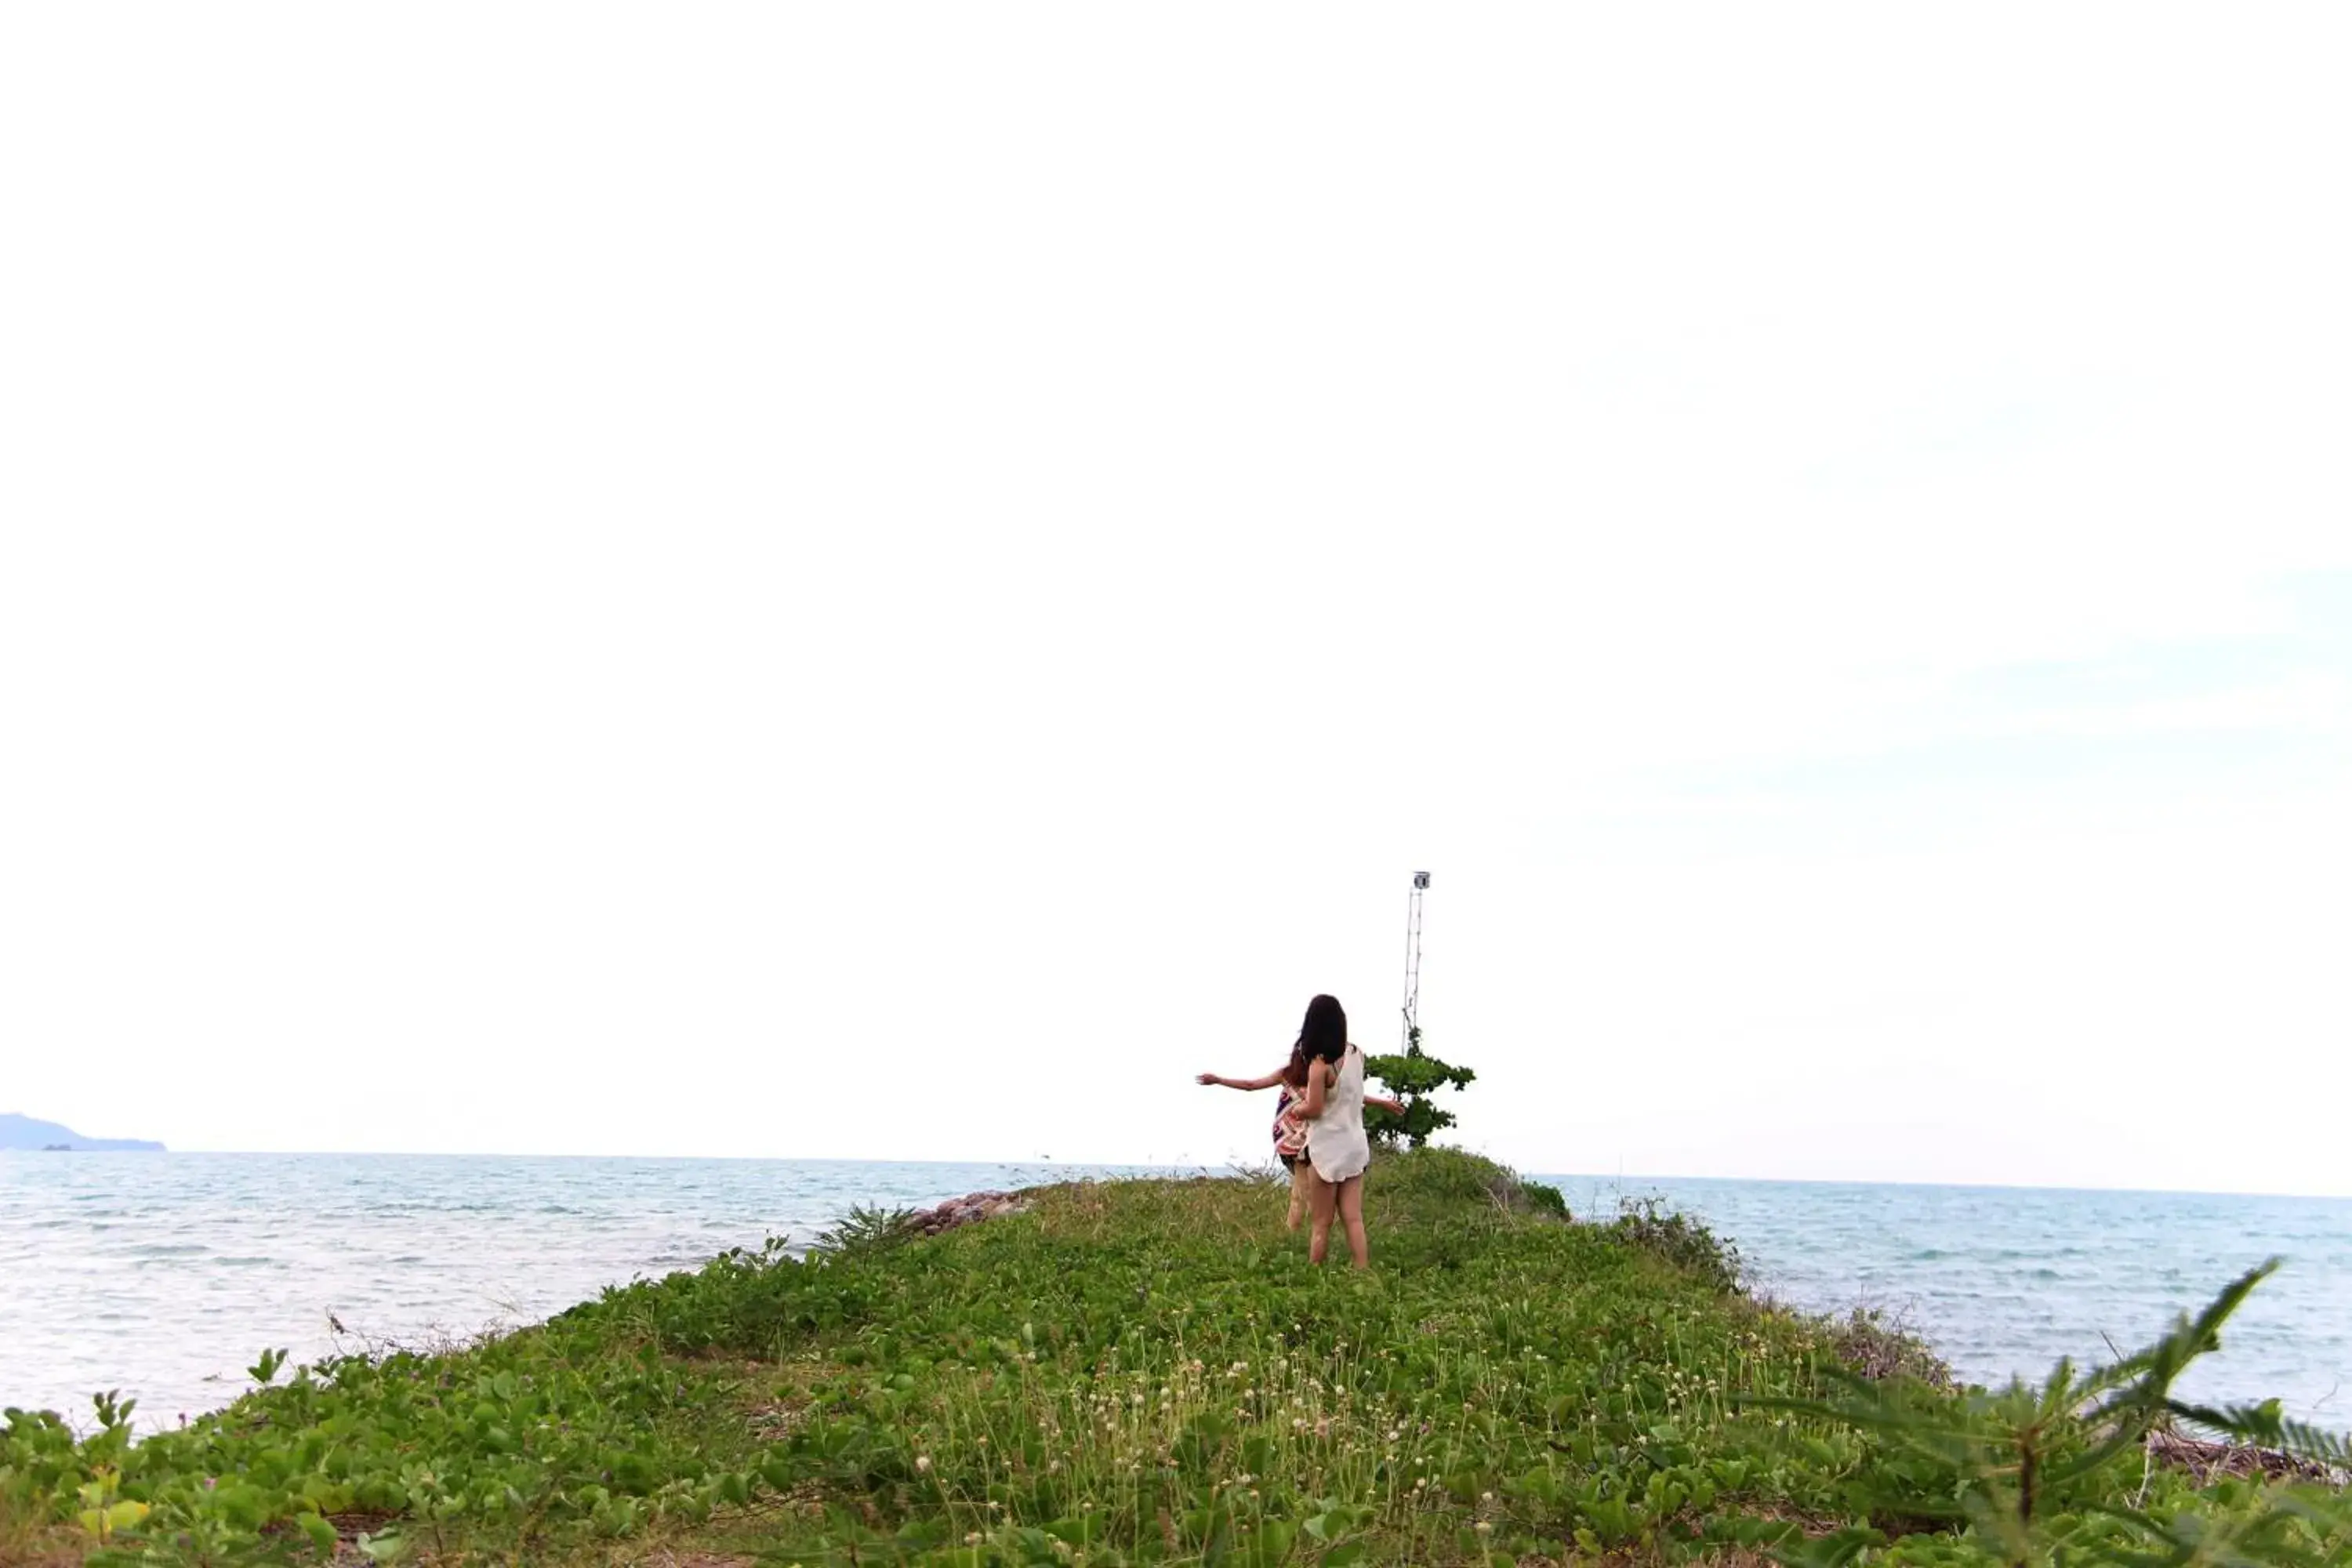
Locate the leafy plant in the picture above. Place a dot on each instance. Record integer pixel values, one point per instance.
(1413, 1077)
(1544, 1198)
(2041, 1475)
(867, 1230)
(103, 1514)
(1453, 1176)
(1685, 1242)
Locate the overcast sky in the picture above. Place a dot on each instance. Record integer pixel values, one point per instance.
(895, 581)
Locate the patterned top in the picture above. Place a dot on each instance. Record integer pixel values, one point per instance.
(1289, 1132)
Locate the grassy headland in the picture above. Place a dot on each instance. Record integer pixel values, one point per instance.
(1135, 1372)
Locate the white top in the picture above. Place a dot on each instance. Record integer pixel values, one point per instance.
(1336, 1145)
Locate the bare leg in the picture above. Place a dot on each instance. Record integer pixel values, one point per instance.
(1302, 1177)
(1325, 1198)
(1351, 1214)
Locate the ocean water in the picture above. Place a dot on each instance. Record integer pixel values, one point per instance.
(2004, 1280)
(164, 1276)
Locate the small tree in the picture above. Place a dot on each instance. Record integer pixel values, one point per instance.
(1412, 1077)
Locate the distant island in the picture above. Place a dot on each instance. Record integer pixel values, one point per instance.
(24, 1132)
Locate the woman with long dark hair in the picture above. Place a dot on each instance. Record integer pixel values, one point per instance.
(1326, 1022)
(1333, 1109)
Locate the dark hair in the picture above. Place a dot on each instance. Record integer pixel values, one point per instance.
(1293, 1071)
(1324, 1033)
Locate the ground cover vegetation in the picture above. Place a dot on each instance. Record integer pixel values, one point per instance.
(1149, 1372)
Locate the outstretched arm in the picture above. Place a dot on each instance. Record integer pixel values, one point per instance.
(1268, 1081)
(1394, 1107)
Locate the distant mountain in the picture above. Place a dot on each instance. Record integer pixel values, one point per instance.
(24, 1132)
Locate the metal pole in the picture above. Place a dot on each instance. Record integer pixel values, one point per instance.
(1412, 956)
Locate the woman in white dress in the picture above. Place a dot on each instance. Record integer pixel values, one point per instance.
(1289, 1128)
(1333, 1109)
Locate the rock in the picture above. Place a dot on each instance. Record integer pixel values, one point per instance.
(970, 1209)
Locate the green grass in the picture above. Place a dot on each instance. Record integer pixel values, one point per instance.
(1143, 1371)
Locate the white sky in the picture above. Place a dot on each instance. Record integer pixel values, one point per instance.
(894, 582)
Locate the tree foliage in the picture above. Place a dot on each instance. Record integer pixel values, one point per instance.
(1413, 1077)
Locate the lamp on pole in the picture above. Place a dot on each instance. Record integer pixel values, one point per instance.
(1412, 958)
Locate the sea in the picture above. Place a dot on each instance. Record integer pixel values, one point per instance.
(164, 1276)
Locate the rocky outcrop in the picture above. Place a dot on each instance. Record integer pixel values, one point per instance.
(2208, 1461)
(970, 1209)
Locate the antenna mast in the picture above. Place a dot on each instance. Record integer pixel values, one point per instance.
(1412, 957)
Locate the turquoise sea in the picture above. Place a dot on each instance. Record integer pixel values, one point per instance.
(162, 1275)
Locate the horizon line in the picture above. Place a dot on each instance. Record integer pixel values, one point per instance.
(1155, 1166)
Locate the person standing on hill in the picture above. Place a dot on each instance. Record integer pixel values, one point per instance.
(1289, 1132)
(1333, 1109)
(1290, 1129)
